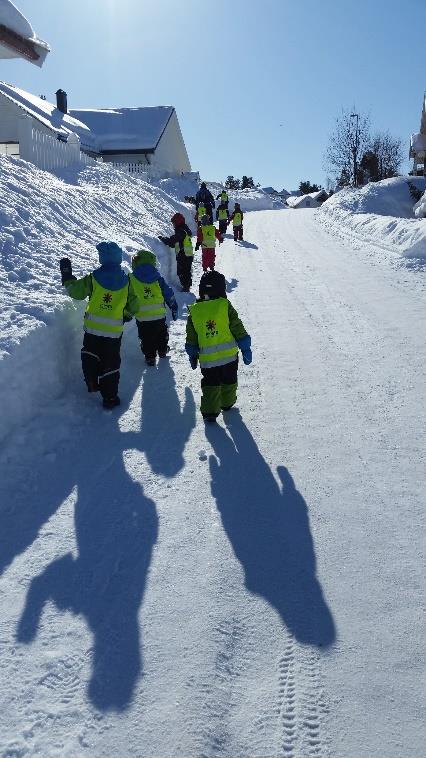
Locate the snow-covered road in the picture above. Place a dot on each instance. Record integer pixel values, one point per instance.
(248, 591)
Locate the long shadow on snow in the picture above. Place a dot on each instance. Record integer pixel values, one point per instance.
(116, 528)
(268, 527)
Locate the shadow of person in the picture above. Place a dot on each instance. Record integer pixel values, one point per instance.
(165, 427)
(116, 528)
(244, 243)
(268, 528)
(231, 285)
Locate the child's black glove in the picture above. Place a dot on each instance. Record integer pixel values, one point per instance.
(66, 270)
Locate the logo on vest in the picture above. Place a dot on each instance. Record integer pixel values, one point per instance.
(211, 330)
(147, 292)
(107, 299)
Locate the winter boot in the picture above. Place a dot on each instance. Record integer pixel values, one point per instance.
(110, 402)
(150, 361)
(93, 385)
(209, 417)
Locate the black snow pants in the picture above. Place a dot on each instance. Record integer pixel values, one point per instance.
(238, 233)
(100, 361)
(223, 225)
(154, 337)
(184, 269)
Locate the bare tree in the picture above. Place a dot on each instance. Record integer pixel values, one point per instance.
(390, 154)
(349, 141)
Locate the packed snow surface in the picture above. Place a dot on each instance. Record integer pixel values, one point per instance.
(247, 589)
(379, 215)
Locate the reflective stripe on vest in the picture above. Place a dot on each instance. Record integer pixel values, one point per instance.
(151, 300)
(236, 221)
(209, 236)
(217, 346)
(222, 214)
(104, 312)
(187, 246)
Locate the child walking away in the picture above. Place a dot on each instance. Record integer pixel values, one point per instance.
(224, 199)
(206, 237)
(237, 222)
(111, 302)
(199, 213)
(153, 293)
(222, 215)
(182, 243)
(214, 332)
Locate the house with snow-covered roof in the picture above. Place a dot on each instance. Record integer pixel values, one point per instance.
(141, 138)
(418, 145)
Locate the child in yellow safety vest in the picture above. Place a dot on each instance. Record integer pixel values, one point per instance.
(214, 333)
(111, 303)
(153, 294)
(206, 237)
(222, 215)
(237, 222)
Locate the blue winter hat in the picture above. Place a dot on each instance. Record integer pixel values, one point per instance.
(109, 252)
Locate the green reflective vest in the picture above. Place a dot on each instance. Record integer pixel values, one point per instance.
(224, 196)
(216, 344)
(209, 236)
(202, 211)
(104, 312)
(237, 221)
(151, 300)
(187, 246)
(222, 214)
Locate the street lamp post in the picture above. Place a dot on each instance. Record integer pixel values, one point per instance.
(355, 148)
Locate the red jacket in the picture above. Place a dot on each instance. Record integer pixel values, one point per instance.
(200, 235)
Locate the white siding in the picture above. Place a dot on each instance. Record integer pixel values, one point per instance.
(9, 113)
(170, 155)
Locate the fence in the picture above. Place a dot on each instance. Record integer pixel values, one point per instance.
(147, 172)
(48, 152)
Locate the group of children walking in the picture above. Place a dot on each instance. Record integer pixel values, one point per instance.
(214, 331)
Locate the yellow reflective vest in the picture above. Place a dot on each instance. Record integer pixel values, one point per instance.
(202, 211)
(217, 346)
(222, 214)
(104, 312)
(209, 236)
(151, 300)
(187, 246)
(237, 220)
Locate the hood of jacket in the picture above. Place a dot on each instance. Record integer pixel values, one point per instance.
(111, 276)
(145, 272)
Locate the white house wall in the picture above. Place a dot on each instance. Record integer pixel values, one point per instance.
(171, 155)
(9, 119)
(126, 158)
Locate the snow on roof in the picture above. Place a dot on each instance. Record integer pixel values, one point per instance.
(48, 114)
(17, 37)
(126, 129)
(417, 143)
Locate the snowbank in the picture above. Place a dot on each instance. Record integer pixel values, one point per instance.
(380, 214)
(42, 218)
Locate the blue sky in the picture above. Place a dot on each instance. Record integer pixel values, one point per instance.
(257, 85)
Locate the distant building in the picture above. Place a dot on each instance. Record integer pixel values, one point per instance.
(418, 145)
(142, 139)
(312, 200)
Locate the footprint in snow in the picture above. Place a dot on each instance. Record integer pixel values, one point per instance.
(202, 455)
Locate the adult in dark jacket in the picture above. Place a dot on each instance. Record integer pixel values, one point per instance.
(153, 294)
(111, 302)
(181, 241)
(205, 197)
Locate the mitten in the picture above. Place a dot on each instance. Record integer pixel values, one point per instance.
(247, 356)
(66, 270)
(193, 361)
(163, 239)
(127, 318)
(174, 310)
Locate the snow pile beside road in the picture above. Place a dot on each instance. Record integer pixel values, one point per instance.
(43, 218)
(379, 215)
(249, 199)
